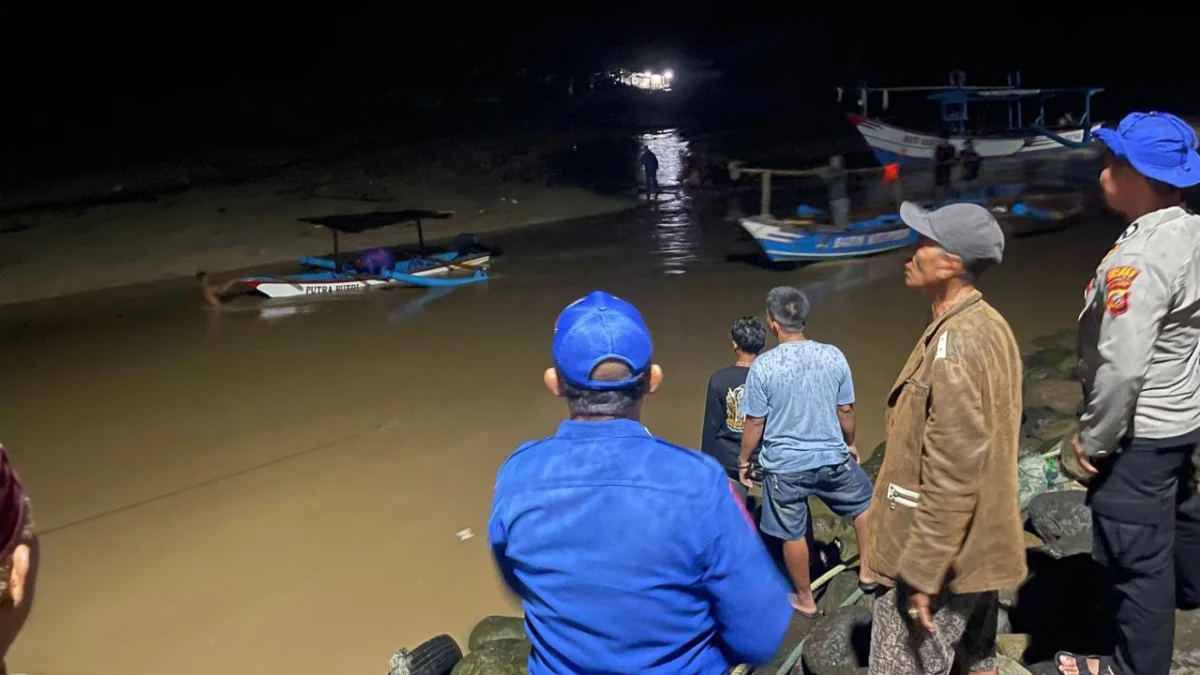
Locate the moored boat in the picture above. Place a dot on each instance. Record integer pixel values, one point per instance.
(340, 274)
(891, 143)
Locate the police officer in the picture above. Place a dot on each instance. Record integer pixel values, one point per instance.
(1139, 348)
(630, 554)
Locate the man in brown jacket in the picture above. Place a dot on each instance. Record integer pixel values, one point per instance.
(945, 527)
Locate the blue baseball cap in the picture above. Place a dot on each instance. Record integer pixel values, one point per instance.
(596, 328)
(1159, 145)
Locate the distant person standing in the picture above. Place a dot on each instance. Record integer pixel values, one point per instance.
(721, 438)
(970, 161)
(943, 163)
(650, 166)
(799, 404)
(1138, 354)
(837, 182)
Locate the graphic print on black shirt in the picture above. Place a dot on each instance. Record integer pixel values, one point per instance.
(723, 417)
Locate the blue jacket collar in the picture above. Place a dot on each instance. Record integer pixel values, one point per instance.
(618, 428)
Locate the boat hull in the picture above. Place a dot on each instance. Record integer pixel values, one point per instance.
(896, 145)
(781, 242)
(336, 283)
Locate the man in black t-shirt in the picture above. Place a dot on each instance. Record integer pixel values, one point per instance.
(723, 417)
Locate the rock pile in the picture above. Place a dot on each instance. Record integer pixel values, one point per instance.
(497, 645)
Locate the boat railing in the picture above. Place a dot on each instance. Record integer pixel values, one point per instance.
(874, 190)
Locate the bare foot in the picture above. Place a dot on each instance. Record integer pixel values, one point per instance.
(1066, 666)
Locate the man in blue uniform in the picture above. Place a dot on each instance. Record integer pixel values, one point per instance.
(630, 554)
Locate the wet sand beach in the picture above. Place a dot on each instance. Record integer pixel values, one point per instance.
(56, 240)
(273, 488)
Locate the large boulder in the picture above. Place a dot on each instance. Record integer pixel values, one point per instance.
(1028, 445)
(1062, 362)
(1068, 463)
(499, 657)
(1008, 597)
(1067, 339)
(1187, 642)
(1003, 621)
(1063, 521)
(1034, 374)
(1064, 397)
(1047, 357)
(828, 526)
(1013, 645)
(494, 628)
(874, 463)
(840, 643)
(1046, 425)
(837, 590)
(1007, 666)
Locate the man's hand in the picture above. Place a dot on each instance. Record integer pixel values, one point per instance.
(744, 470)
(1083, 460)
(920, 610)
(854, 453)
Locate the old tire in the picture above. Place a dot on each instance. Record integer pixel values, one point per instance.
(435, 656)
(840, 643)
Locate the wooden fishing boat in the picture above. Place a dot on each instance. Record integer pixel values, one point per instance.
(343, 273)
(891, 143)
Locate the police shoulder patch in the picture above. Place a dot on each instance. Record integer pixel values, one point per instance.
(1116, 288)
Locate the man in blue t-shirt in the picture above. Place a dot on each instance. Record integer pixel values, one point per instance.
(799, 403)
(630, 554)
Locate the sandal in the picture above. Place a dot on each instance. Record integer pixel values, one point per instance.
(1105, 666)
(807, 615)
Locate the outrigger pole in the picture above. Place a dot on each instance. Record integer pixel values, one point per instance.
(736, 170)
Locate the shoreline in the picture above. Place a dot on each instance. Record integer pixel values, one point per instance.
(255, 223)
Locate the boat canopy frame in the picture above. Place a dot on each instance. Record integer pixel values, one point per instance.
(364, 222)
(955, 99)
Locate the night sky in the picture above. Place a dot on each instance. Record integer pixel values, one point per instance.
(140, 78)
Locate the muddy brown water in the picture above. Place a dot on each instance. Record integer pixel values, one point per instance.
(277, 488)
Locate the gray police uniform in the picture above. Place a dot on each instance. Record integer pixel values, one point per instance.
(1138, 335)
(1139, 349)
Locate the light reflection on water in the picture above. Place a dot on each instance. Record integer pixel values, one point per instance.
(673, 231)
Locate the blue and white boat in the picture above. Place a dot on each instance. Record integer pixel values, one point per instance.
(800, 241)
(807, 239)
(466, 264)
(1016, 138)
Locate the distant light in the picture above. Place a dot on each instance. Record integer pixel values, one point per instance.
(668, 74)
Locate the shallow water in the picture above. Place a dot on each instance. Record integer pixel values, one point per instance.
(277, 488)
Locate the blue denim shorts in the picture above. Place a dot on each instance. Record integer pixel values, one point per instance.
(845, 489)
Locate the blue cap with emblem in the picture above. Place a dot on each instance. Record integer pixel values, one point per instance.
(596, 328)
(1159, 145)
